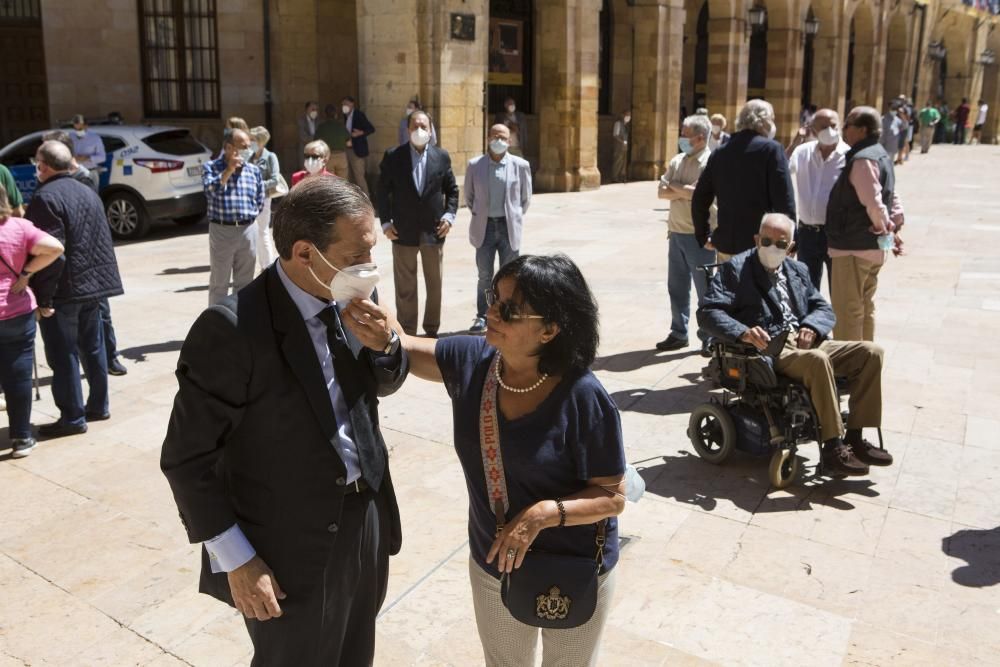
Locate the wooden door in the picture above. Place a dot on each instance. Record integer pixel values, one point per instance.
(24, 104)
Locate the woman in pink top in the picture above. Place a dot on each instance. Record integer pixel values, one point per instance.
(24, 250)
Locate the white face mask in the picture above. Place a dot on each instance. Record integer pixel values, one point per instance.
(498, 146)
(511, 108)
(409, 111)
(80, 133)
(254, 147)
(829, 136)
(313, 165)
(246, 154)
(346, 109)
(771, 256)
(627, 119)
(773, 131)
(354, 282)
(419, 137)
(313, 115)
(716, 130)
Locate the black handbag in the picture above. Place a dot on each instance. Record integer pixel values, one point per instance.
(549, 590)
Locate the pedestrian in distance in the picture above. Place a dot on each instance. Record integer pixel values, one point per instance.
(314, 162)
(334, 134)
(274, 188)
(359, 128)
(621, 133)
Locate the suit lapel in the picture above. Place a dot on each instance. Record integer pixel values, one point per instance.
(766, 287)
(297, 348)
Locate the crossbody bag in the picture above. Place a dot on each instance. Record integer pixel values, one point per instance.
(549, 590)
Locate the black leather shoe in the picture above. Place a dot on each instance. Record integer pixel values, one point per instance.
(116, 367)
(60, 430)
(97, 417)
(868, 453)
(840, 461)
(672, 342)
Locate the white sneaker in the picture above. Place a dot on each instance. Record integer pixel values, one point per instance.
(23, 447)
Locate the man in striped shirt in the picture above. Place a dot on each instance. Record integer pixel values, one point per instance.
(234, 189)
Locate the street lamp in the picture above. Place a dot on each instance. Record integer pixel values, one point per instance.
(811, 27)
(758, 19)
(987, 57)
(936, 51)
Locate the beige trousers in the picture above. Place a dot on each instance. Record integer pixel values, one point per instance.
(860, 362)
(404, 273)
(852, 293)
(356, 171)
(338, 163)
(926, 138)
(509, 643)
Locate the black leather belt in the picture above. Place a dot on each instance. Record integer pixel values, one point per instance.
(237, 223)
(812, 228)
(497, 220)
(357, 486)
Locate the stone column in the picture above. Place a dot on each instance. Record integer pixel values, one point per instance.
(656, 81)
(784, 78)
(991, 93)
(728, 56)
(830, 71)
(568, 46)
(294, 75)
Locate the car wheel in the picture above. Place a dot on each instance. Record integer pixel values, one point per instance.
(188, 220)
(127, 216)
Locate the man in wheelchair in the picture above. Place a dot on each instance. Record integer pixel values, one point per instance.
(762, 293)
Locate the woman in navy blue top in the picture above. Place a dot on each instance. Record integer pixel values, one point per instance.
(560, 442)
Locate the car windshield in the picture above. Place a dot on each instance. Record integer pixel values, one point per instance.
(174, 142)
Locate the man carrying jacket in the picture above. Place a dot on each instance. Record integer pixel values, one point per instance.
(74, 214)
(760, 294)
(861, 217)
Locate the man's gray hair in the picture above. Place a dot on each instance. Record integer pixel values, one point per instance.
(756, 115)
(868, 118)
(55, 155)
(779, 218)
(698, 124)
(311, 211)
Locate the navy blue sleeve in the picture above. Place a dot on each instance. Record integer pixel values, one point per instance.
(457, 359)
(599, 448)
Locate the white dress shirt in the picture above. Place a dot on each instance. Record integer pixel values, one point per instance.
(231, 549)
(814, 179)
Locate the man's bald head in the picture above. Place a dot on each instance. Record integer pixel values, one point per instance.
(499, 131)
(55, 155)
(825, 118)
(777, 226)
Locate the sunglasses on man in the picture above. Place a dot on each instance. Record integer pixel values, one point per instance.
(508, 312)
(312, 155)
(780, 244)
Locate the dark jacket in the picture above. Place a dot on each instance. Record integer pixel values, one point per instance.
(73, 213)
(249, 438)
(748, 175)
(740, 296)
(848, 225)
(399, 202)
(359, 144)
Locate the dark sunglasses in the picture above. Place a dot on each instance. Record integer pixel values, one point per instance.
(318, 157)
(780, 244)
(508, 312)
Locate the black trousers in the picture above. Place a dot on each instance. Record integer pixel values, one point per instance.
(812, 251)
(335, 624)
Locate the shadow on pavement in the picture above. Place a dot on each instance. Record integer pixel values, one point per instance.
(174, 271)
(193, 288)
(139, 353)
(981, 550)
(166, 229)
(624, 362)
(670, 401)
(742, 480)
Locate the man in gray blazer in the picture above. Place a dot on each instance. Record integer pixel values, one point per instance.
(497, 192)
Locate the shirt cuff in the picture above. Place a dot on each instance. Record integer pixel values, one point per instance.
(230, 550)
(449, 218)
(386, 226)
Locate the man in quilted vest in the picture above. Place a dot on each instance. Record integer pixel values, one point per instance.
(71, 324)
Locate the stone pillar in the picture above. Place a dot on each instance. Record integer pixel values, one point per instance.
(895, 73)
(830, 71)
(728, 56)
(865, 61)
(784, 78)
(656, 81)
(991, 93)
(294, 75)
(405, 48)
(568, 41)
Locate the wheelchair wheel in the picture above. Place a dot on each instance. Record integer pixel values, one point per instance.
(712, 432)
(784, 468)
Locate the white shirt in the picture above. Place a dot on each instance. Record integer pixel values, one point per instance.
(981, 118)
(814, 179)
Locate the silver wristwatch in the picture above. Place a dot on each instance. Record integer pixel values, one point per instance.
(393, 344)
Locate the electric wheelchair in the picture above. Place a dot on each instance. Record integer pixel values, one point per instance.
(759, 412)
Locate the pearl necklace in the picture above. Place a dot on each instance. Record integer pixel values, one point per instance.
(545, 376)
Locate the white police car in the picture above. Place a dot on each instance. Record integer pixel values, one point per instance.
(150, 172)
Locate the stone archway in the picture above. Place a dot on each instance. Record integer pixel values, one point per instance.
(694, 83)
(830, 53)
(899, 39)
(865, 56)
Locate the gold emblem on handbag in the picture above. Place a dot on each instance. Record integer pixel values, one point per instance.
(552, 607)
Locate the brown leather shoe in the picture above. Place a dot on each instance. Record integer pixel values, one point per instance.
(868, 453)
(839, 460)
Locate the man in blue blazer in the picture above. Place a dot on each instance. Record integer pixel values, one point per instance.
(358, 127)
(747, 177)
(497, 192)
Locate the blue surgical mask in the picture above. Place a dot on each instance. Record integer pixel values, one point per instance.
(684, 144)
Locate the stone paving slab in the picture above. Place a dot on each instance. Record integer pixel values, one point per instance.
(900, 568)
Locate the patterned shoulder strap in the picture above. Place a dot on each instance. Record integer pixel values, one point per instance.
(489, 444)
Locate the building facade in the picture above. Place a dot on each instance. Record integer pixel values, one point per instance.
(570, 66)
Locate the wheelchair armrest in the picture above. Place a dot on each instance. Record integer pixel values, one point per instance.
(741, 349)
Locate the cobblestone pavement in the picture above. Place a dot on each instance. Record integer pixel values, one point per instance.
(897, 568)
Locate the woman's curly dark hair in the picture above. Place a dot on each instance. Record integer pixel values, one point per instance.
(555, 289)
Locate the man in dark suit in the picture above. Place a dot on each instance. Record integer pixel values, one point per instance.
(747, 177)
(273, 451)
(358, 127)
(417, 202)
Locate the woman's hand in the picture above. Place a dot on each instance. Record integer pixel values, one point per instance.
(520, 532)
(20, 285)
